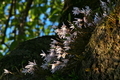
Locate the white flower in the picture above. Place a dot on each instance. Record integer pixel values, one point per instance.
(105, 14)
(32, 63)
(64, 55)
(69, 39)
(85, 11)
(97, 18)
(29, 68)
(67, 48)
(72, 26)
(82, 11)
(58, 65)
(43, 54)
(75, 33)
(52, 50)
(48, 58)
(58, 56)
(52, 54)
(76, 10)
(58, 62)
(103, 5)
(24, 71)
(55, 64)
(6, 71)
(57, 30)
(64, 29)
(54, 41)
(66, 42)
(78, 22)
(62, 32)
(52, 46)
(85, 19)
(58, 49)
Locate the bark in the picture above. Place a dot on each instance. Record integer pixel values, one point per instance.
(99, 54)
(102, 59)
(18, 58)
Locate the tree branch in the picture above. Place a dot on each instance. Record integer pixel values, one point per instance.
(10, 14)
(24, 17)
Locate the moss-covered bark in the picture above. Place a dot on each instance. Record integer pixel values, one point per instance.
(103, 56)
(98, 57)
(27, 51)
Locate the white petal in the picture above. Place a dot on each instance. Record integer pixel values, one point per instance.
(43, 53)
(6, 71)
(32, 63)
(29, 66)
(59, 56)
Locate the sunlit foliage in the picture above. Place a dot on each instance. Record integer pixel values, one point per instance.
(21, 20)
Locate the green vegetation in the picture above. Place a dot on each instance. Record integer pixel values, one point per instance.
(21, 20)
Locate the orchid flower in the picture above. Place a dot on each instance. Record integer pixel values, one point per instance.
(76, 10)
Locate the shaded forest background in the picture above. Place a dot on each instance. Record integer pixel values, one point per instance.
(23, 22)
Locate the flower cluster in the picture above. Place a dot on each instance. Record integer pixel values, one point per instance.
(77, 11)
(29, 68)
(86, 21)
(57, 53)
(105, 7)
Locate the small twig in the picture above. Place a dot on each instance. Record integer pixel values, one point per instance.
(15, 19)
(6, 45)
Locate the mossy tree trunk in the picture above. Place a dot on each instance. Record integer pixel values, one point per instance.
(100, 48)
(102, 59)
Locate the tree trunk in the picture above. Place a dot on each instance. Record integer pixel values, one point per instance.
(101, 51)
